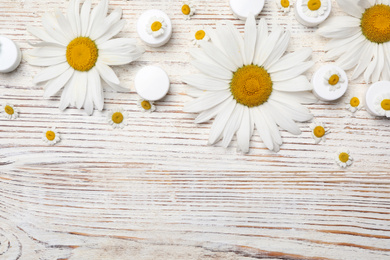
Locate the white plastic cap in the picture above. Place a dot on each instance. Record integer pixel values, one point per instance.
(148, 39)
(308, 20)
(10, 55)
(374, 91)
(322, 91)
(242, 8)
(151, 83)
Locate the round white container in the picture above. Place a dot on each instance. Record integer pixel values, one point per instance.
(149, 39)
(374, 91)
(10, 55)
(308, 20)
(151, 83)
(242, 8)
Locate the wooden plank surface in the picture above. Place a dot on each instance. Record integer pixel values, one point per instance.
(155, 190)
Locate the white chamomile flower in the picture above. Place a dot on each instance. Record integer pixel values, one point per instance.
(362, 40)
(187, 10)
(78, 50)
(51, 136)
(382, 105)
(284, 5)
(318, 131)
(146, 105)
(199, 36)
(117, 118)
(156, 26)
(314, 8)
(10, 111)
(247, 82)
(354, 104)
(333, 80)
(343, 158)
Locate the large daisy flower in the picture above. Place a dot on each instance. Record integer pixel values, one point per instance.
(362, 40)
(78, 49)
(247, 83)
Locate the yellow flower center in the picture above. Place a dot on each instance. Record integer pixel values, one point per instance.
(285, 3)
(82, 54)
(156, 26)
(146, 105)
(117, 117)
(355, 102)
(199, 35)
(333, 80)
(385, 104)
(319, 131)
(50, 135)
(251, 85)
(376, 23)
(343, 157)
(314, 4)
(9, 110)
(186, 9)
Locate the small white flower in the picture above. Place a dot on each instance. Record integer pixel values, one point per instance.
(10, 111)
(51, 136)
(117, 118)
(284, 5)
(314, 8)
(187, 10)
(156, 26)
(146, 106)
(333, 80)
(318, 131)
(199, 35)
(382, 105)
(343, 158)
(354, 104)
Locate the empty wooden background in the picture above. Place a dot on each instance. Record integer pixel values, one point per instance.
(155, 190)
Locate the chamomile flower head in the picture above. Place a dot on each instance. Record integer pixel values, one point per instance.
(10, 111)
(382, 105)
(284, 5)
(247, 82)
(146, 105)
(333, 80)
(117, 118)
(188, 10)
(156, 26)
(318, 132)
(361, 40)
(343, 158)
(314, 8)
(51, 136)
(354, 104)
(78, 51)
(199, 35)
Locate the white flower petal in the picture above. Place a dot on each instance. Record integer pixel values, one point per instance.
(114, 30)
(221, 121)
(380, 63)
(50, 24)
(269, 46)
(371, 66)
(218, 56)
(213, 70)
(212, 112)
(340, 27)
(250, 38)
(273, 128)
(291, 102)
(107, 73)
(351, 7)
(230, 44)
(64, 25)
(262, 36)
(66, 96)
(107, 23)
(80, 87)
(262, 127)
(293, 72)
(290, 111)
(48, 51)
(97, 16)
(206, 101)
(282, 120)
(290, 60)
(51, 72)
(232, 125)
(85, 12)
(41, 34)
(44, 61)
(351, 57)
(300, 83)
(95, 89)
(214, 38)
(204, 82)
(336, 52)
(279, 50)
(244, 132)
(303, 97)
(194, 92)
(54, 85)
(119, 58)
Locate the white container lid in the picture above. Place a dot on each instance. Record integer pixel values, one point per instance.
(10, 55)
(242, 8)
(321, 90)
(151, 83)
(309, 20)
(149, 39)
(374, 91)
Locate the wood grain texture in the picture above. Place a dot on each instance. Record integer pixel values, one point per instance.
(155, 190)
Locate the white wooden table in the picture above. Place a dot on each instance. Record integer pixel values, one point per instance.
(155, 190)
